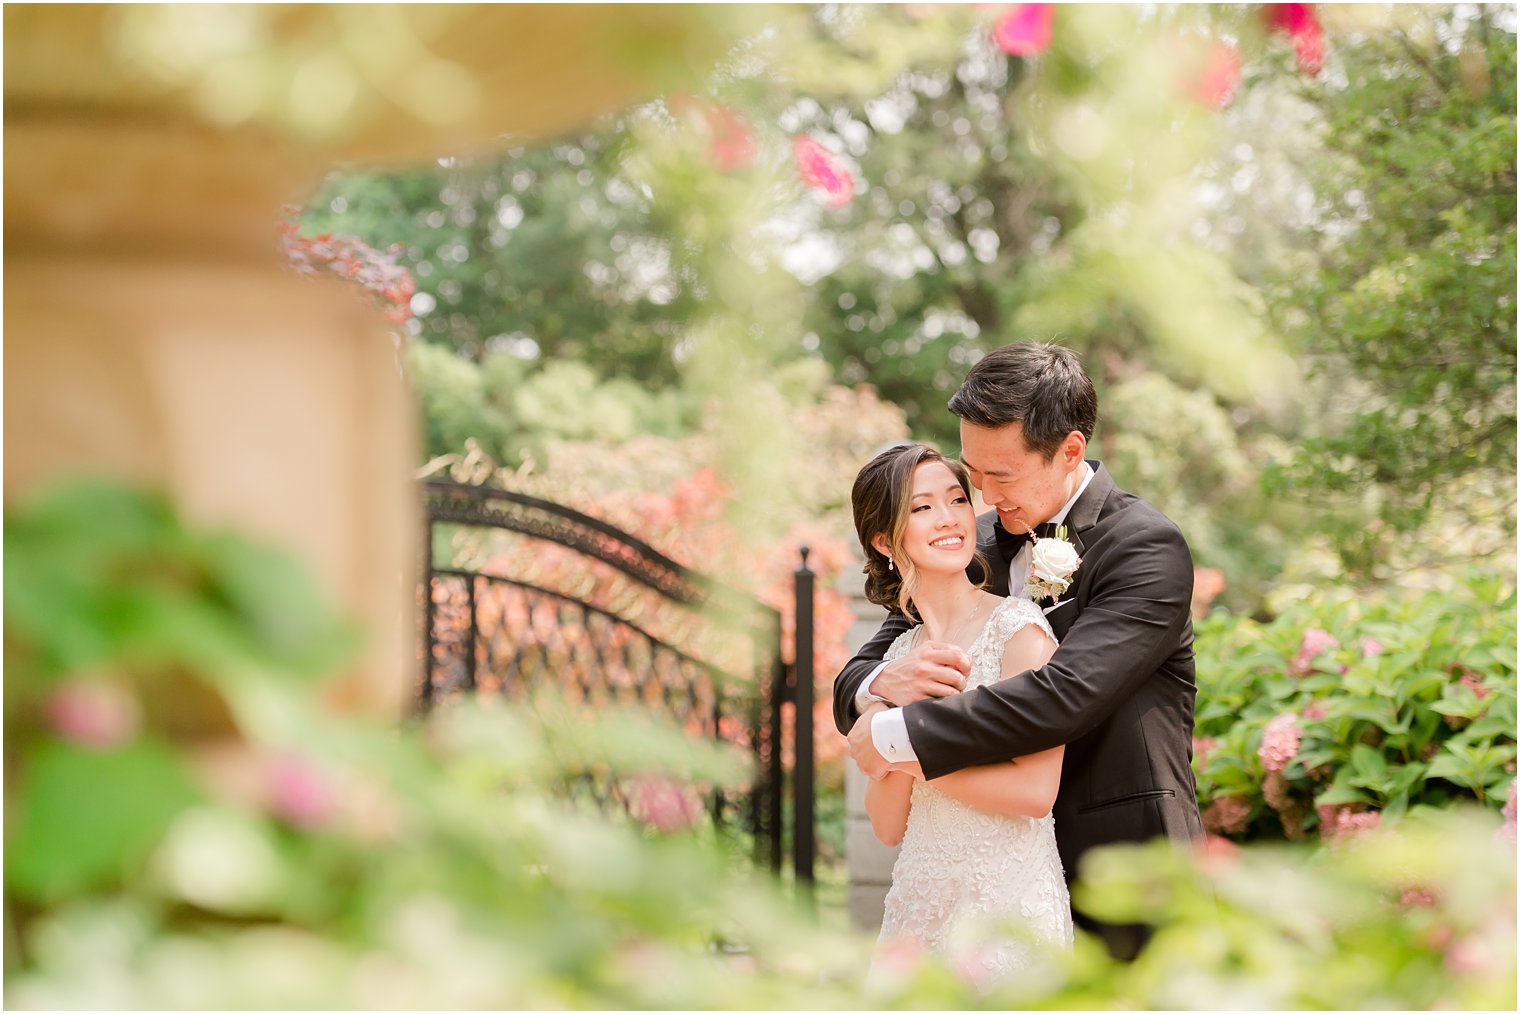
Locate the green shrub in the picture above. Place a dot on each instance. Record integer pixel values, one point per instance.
(1348, 709)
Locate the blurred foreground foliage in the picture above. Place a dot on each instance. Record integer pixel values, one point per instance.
(259, 850)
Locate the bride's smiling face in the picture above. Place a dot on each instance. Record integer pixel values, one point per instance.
(939, 534)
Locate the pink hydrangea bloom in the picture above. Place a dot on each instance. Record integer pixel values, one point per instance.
(1371, 647)
(663, 804)
(1315, 643)
(300, 793)
(1279, 742)
(1471, 681)
(1314, 711)
(93, 713)
(1201, 750)
(1025, 30)
(1341, 822)
(822, 170)
(1507, 832)
(1227, 815)
(1274, 789)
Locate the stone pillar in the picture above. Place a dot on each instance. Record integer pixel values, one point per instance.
(152, 333)
(869, 861)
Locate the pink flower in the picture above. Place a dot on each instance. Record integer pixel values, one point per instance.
(1420, 896)
(1215, 854)
(1470, 955)
(1315, 711)
(1227, 815)
(822, 170)
(1371, 647)
(1340, 823)
(974, 968)
(1025, 30)
(900, 954)
(1315, 643)
(1201, 750)
(664, 805)
(1279, 742)
(1302, 25)
(1471, 681)
(299, 793)
(733, 146)
(1208, 583)
(1216, 86)
(93, 713)
(1507, 832)
(1275, 790)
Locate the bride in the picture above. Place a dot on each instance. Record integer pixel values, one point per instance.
(978, 876)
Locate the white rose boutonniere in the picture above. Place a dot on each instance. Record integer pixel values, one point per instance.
(1052, 562)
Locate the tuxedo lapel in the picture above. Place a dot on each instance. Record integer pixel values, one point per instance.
(1084, 514)
(1080, 521)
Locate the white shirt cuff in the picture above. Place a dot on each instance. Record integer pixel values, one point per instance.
(889, 734)
(863, 695)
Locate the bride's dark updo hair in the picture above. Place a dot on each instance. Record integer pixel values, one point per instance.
(880, 499)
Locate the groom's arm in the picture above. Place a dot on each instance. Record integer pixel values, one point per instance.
(1138, 607)
(857, 669)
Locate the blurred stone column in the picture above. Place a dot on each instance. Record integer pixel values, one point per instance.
(154, 335)
(152, 331)
(869, 861)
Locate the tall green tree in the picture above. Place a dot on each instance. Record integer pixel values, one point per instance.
(1402, 290)
(543, 252)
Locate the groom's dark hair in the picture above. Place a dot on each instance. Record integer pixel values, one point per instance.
(1040, 386)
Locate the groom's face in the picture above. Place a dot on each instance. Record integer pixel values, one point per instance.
(1024, 487)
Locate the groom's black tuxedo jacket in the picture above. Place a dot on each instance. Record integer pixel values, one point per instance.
(1118, 691)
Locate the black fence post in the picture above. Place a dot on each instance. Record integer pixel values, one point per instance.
(774, 802)
(425, 698)
(802, 777)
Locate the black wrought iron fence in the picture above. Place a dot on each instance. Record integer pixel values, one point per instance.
(488, 629)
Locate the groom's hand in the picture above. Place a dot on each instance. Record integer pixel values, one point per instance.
(933, 669)
(863, 748)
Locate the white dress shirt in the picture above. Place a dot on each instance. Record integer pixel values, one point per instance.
(889, 731)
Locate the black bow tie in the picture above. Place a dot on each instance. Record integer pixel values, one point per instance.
(1009, 544)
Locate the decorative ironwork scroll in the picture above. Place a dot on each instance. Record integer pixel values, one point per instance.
(503, 634)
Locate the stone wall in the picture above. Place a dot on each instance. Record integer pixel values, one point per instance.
(869, 861)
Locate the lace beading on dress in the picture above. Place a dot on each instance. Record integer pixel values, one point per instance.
(964, 876)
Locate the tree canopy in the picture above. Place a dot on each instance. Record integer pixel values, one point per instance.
(1189, 196)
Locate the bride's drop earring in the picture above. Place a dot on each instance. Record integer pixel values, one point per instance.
(889, 564)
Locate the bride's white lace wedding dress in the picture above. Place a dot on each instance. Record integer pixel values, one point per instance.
(964, 874)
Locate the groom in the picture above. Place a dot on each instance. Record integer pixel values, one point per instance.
(1119, 690)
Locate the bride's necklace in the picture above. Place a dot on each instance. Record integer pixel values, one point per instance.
(954, 633)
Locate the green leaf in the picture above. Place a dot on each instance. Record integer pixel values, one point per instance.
(1339, 793)
(84, 817)
(1369, 764)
